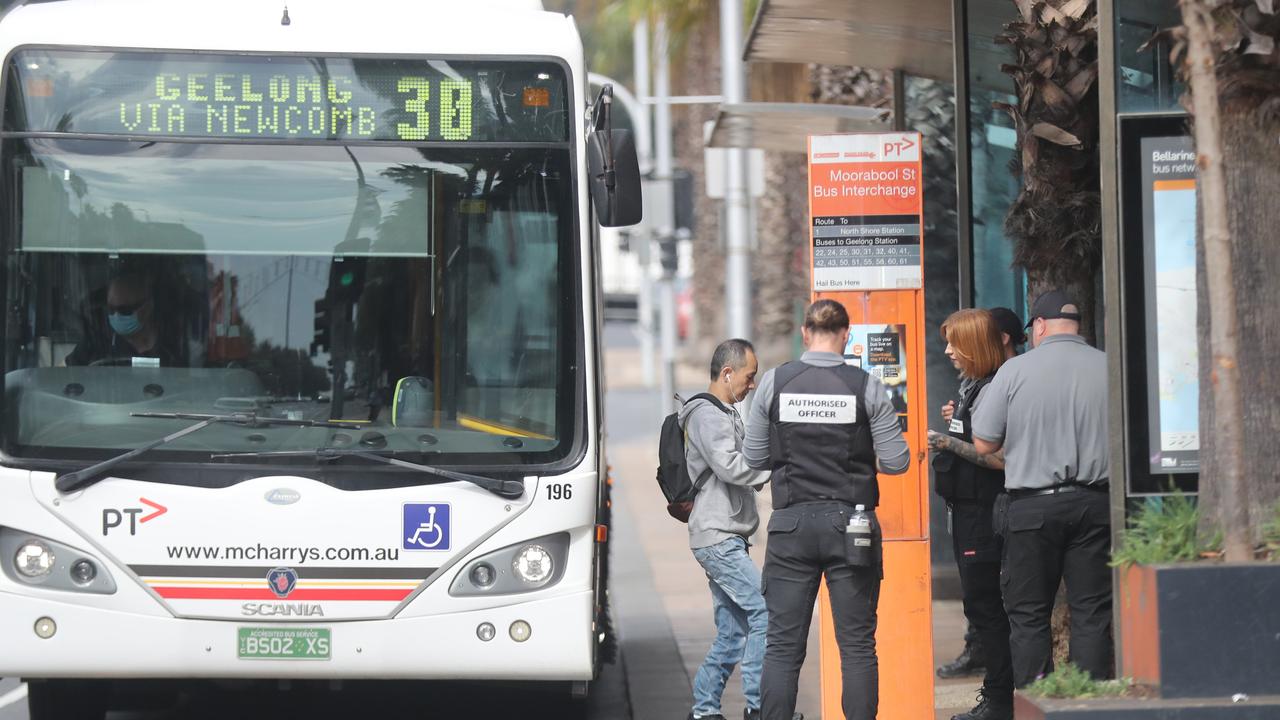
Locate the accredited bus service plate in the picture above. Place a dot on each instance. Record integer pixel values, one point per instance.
(283, 643)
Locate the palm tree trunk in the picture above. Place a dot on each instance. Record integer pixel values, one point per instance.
(781, 263)
(698, 73)
(1233, 73)
(1056, 221)
(1223, 469)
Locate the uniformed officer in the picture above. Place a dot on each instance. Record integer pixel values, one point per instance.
(972, 659)
(824, 428)
(1047, 410)
(971, 483)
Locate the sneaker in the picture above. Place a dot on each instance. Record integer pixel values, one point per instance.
(714, 716)
(969, 663)
(988, 709)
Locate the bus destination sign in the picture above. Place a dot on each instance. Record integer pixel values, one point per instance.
(286, 97)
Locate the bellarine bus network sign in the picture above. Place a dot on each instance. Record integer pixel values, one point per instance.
(286, 97)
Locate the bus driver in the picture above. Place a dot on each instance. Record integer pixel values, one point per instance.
(134, 328)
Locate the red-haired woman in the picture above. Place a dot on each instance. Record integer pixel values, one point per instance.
(970, 483)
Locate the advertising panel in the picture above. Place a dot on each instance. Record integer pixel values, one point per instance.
(1169, 243)
(879, 349)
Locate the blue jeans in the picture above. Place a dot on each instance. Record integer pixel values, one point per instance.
(741, 625)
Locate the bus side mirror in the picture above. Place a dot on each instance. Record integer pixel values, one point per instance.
(615, 189)
(613, 171)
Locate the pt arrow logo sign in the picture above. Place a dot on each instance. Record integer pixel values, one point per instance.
(897, 147)
(114, 517)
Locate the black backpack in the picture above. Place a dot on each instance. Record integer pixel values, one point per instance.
(673, 472)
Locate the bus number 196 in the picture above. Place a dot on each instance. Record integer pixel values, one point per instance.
(559, 491)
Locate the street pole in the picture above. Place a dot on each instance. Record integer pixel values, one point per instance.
(737, 284)
(642, 238)
(664, 219)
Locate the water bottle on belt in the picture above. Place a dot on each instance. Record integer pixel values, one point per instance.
(859, 538)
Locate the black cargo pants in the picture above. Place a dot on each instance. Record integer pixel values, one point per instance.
(977, 550)
(806, 541)
(1050, 539)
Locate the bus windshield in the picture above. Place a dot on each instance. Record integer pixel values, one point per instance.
(423, 294)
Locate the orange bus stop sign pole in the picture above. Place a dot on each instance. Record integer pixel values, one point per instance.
(866, 238)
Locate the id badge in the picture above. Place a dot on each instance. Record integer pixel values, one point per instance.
(957, 426)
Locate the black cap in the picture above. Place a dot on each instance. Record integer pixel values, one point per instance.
(1008, 322)
(1050, 307)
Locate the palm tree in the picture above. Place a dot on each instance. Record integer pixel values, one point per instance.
(1055, 222)
(1233, 68)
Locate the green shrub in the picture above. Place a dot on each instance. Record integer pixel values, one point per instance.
(1164, 530)
(1069, 681)
(1271, 536)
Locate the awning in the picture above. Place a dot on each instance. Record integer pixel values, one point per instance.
(910, 35)
(785, 127)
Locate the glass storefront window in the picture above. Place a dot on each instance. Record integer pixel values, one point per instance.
(992, 140)
(1145, 80)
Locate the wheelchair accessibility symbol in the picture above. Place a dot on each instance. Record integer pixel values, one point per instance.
(426, 526)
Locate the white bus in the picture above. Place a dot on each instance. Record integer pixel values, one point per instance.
(300, 350)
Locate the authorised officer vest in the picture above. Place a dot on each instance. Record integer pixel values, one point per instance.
(820, 436)
(957, 479)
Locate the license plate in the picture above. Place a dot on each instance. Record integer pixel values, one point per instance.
(283, 643)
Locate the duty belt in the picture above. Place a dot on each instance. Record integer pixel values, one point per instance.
(1059, 489)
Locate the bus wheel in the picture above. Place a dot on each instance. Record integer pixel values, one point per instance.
(575, 708)
(68, 699)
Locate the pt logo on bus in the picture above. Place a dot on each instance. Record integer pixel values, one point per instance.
(426, 526)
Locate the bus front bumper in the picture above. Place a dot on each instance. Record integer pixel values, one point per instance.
(91, 642)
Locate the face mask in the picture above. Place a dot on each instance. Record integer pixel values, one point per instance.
(124, 324)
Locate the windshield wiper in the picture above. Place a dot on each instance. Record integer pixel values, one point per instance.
(510, 489)
(84, 477)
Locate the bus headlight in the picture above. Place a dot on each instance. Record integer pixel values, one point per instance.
(533, 564)
(34, 559)
(51, 565)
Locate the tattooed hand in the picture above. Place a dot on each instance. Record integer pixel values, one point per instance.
(939, 441)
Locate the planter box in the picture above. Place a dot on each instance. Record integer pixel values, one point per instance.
(1202, 630)
(1258, 708)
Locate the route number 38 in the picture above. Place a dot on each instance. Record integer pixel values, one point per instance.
(452, 109)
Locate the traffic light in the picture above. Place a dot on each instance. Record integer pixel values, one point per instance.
(346, 279)
(682, 187)
(323, 322)
(669, 255)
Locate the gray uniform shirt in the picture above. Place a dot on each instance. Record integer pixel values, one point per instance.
(1048, 407)
(886, 433)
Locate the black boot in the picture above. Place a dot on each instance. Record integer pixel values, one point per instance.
(754, 714)
(988, 708)
(968, 663)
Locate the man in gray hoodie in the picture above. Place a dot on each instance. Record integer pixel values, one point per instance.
(724, 516)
